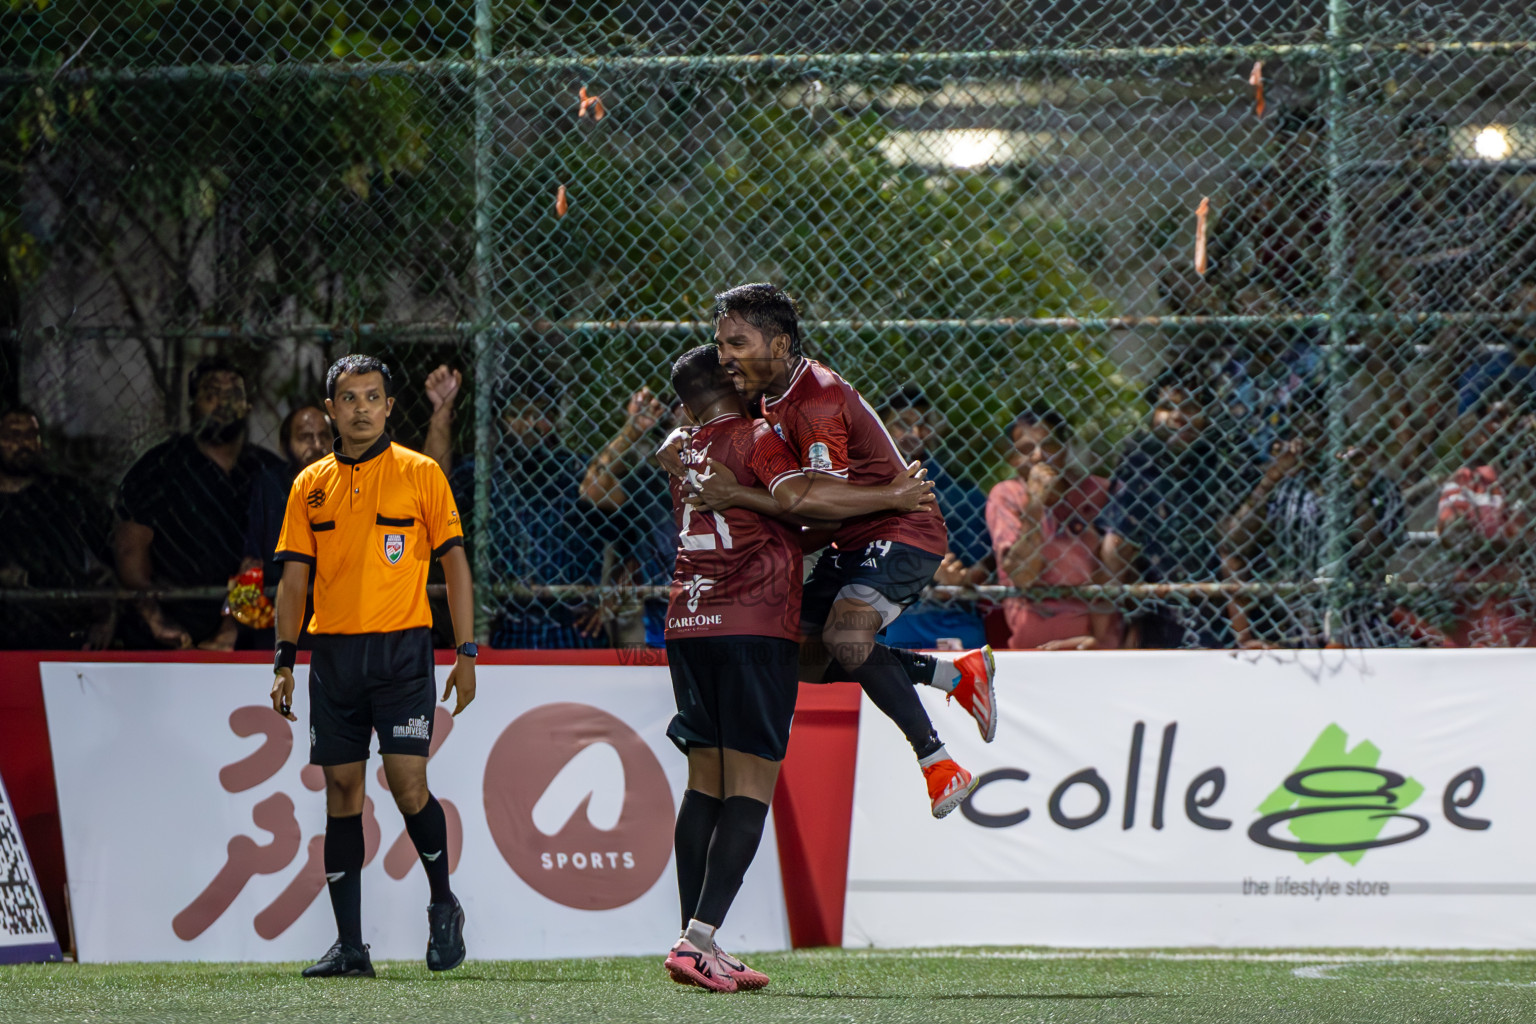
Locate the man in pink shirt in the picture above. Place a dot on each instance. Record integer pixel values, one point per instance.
(1041, 522)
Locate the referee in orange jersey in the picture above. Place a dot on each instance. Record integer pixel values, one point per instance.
(368, 519)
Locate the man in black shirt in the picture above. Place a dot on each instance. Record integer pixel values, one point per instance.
(1168, 498)
(634, 497)
(185, 507)
(303, 438)
(57, 534)
(539, 533)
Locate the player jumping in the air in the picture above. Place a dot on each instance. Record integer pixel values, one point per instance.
(732, 644)
(368, 520)
(879, 562)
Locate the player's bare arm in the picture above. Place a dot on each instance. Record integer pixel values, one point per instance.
(752, 499)
(813, 495)
(826, 497)
(288, 619)
(461, 609)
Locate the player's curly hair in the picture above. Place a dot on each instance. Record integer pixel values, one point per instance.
(356, 364)
(698, 378)
(766, 307)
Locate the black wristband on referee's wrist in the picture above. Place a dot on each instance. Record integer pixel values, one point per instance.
(287, 654)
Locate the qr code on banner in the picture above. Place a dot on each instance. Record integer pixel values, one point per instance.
(21, 908)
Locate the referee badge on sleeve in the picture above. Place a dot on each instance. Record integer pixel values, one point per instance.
(394, 546)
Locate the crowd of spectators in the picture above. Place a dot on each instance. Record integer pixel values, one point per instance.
(1234, 517)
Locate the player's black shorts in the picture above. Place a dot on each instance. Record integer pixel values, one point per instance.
(736, 692)
(885, 574)
(361, 682)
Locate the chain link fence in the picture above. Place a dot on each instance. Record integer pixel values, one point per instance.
(1215, 322)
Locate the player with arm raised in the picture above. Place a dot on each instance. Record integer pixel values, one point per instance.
(879, 561)
(733, 628)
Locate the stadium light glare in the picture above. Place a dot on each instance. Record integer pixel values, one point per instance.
(952, 148)
(971, 147)
(1492, 143)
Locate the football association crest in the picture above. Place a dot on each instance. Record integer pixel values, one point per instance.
(394, 546)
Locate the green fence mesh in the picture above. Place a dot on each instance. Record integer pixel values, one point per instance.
(1260, 273)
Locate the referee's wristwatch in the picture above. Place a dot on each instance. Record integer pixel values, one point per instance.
(469, 649)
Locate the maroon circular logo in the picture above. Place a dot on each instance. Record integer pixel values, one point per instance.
(579, 806)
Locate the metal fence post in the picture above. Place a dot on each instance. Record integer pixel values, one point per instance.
(484, 356)
(1336, 523)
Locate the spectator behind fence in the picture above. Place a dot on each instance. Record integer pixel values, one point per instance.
(1447, 226)
(185, 507)
(304, 438)
(537, 534)
(1259, 387)
(1041, 522)
(1507, 364)
(624, 484)
(1281, 534)
(57, 534)
(1167, 499)
(1483, 521)
(916, 427)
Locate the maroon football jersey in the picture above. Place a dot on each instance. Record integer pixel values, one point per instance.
(737, 573)
(831, 429)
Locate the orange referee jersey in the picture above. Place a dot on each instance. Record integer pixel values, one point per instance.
(369, 528)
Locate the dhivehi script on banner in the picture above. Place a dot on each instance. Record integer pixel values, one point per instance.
(1317, 798)
(193, 825)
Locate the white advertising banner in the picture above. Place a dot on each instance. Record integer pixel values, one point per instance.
(193, 826)
(1323, 798)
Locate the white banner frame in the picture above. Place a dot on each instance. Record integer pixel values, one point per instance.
(140, 748)
(992, 875)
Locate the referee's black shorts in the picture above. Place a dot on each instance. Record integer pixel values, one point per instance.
(361, 682)
(735, 692)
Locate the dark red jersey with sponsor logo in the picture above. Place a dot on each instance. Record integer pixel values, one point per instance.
(831, 429)
(738, 573)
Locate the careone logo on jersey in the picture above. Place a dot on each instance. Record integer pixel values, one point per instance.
(394, 546)
(697, 587)
(579, 806)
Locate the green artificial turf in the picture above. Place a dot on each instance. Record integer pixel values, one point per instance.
(980, 985)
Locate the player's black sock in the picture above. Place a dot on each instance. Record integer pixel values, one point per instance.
(428, 829)
(887, 685)
(737, 834)
(344, 875)
(918, 667)
(696, 820)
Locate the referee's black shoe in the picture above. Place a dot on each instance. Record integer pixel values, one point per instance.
(342, 961)
(445, 940)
